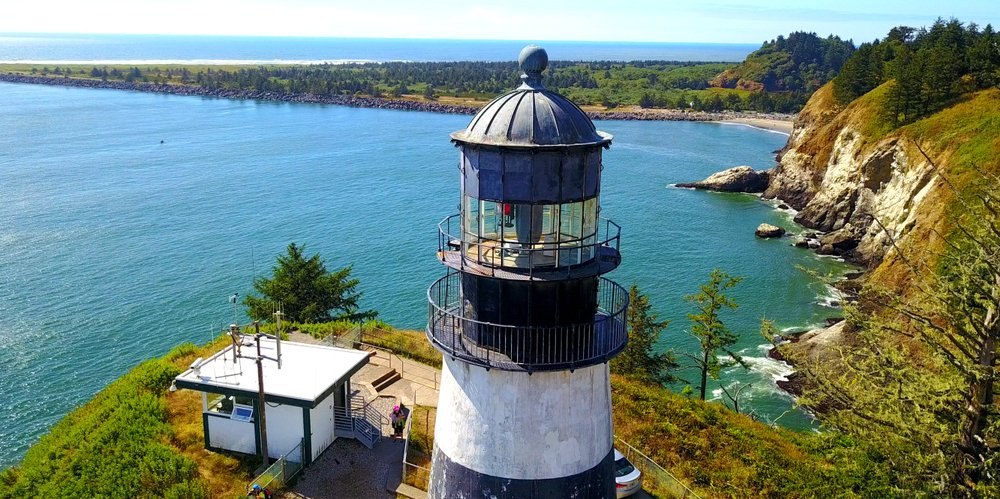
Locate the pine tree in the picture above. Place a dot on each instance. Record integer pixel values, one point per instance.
(306, 292)
(639, 360)
(712, 334)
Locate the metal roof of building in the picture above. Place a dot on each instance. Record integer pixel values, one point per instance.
(531, 115)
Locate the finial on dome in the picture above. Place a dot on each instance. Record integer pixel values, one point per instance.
(533, 60)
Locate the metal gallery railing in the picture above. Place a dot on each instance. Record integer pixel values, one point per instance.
(525, 348)
(553, 250)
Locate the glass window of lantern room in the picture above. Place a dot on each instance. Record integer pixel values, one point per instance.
(491, 221)
(590, 209)
(471, 227)
(570, 231)
(550, 223)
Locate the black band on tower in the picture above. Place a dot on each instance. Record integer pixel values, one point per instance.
(450, 480)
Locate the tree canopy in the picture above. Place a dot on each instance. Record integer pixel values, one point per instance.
(306, 292)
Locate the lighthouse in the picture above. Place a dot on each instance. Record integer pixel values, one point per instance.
(523, 316)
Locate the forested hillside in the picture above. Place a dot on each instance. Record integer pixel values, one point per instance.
(927, 67)
(795, 66)
(776, 78)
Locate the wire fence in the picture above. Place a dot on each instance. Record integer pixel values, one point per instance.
(657, 481)
(277, 476)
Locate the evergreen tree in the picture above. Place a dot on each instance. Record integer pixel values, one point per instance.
(306, 292)
(712, 334)
(639, 360)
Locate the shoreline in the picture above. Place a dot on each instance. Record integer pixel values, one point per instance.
(771, 121)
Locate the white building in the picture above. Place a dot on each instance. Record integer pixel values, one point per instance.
(308, 399)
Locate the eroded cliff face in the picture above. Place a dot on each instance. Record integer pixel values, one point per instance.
(863, 191)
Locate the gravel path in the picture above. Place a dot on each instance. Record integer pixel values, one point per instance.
(349, 470)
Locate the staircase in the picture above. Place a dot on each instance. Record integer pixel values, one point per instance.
(387, 378)
(360, 421)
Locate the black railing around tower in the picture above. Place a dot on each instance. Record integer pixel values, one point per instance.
(526, 348)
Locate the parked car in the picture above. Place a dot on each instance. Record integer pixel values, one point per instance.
(628, 480)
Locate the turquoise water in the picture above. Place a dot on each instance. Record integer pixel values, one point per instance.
(114, 247)
(78, 47)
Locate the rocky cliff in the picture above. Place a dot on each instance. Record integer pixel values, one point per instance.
(878, 191)
(865, 184)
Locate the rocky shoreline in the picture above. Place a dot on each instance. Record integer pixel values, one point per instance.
(815, 345)
(636, 114)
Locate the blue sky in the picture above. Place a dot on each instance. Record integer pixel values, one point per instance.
(724, 21)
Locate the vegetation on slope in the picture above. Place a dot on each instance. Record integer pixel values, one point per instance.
(719, 453)
(916, 377)
(133, 439)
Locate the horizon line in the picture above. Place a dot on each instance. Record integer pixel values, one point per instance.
(333, 37)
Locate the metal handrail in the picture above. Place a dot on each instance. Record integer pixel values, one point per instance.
(526, 348)
(494, 252)
(277, 476)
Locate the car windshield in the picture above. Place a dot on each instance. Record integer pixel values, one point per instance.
(623, 467)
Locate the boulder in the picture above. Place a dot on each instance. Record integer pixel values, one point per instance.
(767, 231)
(840, 241)
(738, 179)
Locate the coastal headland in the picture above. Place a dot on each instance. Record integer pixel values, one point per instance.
(769, 121)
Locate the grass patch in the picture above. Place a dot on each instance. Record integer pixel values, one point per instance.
(116, 445)
(421, 446)
(403, 342)
(719, 453)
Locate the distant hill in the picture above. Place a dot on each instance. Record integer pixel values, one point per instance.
(802, 62)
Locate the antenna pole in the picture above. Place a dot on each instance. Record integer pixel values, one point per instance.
(277, 336)
(232, 299)
(234, 332)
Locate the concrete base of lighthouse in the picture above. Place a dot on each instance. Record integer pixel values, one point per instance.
(509, 434)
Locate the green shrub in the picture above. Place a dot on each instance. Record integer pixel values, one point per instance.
(111, 446)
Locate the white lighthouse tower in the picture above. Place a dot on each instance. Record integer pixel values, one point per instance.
(524, 319)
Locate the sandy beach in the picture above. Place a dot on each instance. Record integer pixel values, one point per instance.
(773, 124)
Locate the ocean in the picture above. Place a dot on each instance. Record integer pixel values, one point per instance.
(128, 219)
(62, 48)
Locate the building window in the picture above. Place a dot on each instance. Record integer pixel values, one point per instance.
(223, 404)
